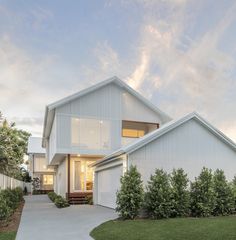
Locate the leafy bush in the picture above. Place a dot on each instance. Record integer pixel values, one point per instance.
(223, 193)
(9, 201)
(130, 197)
(89, 199)
(36, 192)
(180, 199)
(18, 194)
(158, 195)
(61, 202)
(202, 194)
(36, 185)
(52, 196)
(11, 198)
(5, 210)
(233, 187)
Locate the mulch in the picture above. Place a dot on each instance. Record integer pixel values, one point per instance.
(14, 220)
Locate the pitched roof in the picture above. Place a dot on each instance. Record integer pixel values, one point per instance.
(50, 109)
(34, 145)
(163, 130)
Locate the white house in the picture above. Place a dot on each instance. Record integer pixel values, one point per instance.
(189, 143)
(38, 165)
(109, 126)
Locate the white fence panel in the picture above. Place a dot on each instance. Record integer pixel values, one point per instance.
(8, 182)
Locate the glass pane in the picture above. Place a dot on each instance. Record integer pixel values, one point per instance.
(105, 134)
(79, 176)
(90, 133)
(47, 179)
(75, 131)
(89, 176)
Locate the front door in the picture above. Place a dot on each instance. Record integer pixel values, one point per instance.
(83, 176)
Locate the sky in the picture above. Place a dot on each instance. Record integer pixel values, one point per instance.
(180, 54)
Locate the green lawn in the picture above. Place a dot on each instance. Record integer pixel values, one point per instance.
(217, 228)
(7, 235)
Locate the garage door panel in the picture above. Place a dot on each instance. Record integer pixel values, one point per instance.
(108, 182)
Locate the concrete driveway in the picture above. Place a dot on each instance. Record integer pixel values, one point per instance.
(42, 220)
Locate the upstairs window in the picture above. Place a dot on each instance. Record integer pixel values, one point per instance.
(132, 129)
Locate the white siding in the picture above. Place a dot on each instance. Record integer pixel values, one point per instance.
(52, 142)
(135, 110)
(61, 179)
(190, 146)
(109, 104)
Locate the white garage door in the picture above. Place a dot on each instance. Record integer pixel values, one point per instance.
(108, 182)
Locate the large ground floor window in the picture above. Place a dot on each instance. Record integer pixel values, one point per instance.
(47, 179)
(83, 175)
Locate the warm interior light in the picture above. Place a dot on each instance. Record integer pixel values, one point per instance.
(78, 155)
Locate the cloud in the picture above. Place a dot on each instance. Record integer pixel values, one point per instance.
(194, 74)
(21, 96)
(177, 71)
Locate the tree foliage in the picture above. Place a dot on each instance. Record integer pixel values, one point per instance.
(223, 193)
(203, 198)
(130, 196)
(158, 195)
(13, 146)
(180, 199)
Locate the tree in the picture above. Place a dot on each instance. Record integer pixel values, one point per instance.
(180, 199)
(223, 193)
(13, 146)
(25, 175)
(158, 195)
(233, 187)
(202, 194)
(130, 196)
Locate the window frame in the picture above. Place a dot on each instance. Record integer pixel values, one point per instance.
(131, 121)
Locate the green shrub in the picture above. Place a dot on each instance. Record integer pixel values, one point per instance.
(18, 193)
(180, 199)
(130, 196)
(202, 194)
(36, 192)
(233, 187)
(89, 199)
(52, 196)
(11, 198)
(223, 193)
(5, 210)
(61, 202)
(158, 195)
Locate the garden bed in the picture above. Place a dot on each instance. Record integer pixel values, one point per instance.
(8, 231)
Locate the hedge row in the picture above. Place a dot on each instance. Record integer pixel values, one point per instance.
(59, 201)
(173, 195)
(9, 201)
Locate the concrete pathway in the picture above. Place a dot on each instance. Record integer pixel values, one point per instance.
(42, 220)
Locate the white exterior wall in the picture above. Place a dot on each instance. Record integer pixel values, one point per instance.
(110, 104)
(189, 146)
(61, 179)
(52, 144)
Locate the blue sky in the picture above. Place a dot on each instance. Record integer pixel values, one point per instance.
(180, 54)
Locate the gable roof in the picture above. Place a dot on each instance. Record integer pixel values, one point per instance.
(50, 109)
(163, 130)
(34, 145)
